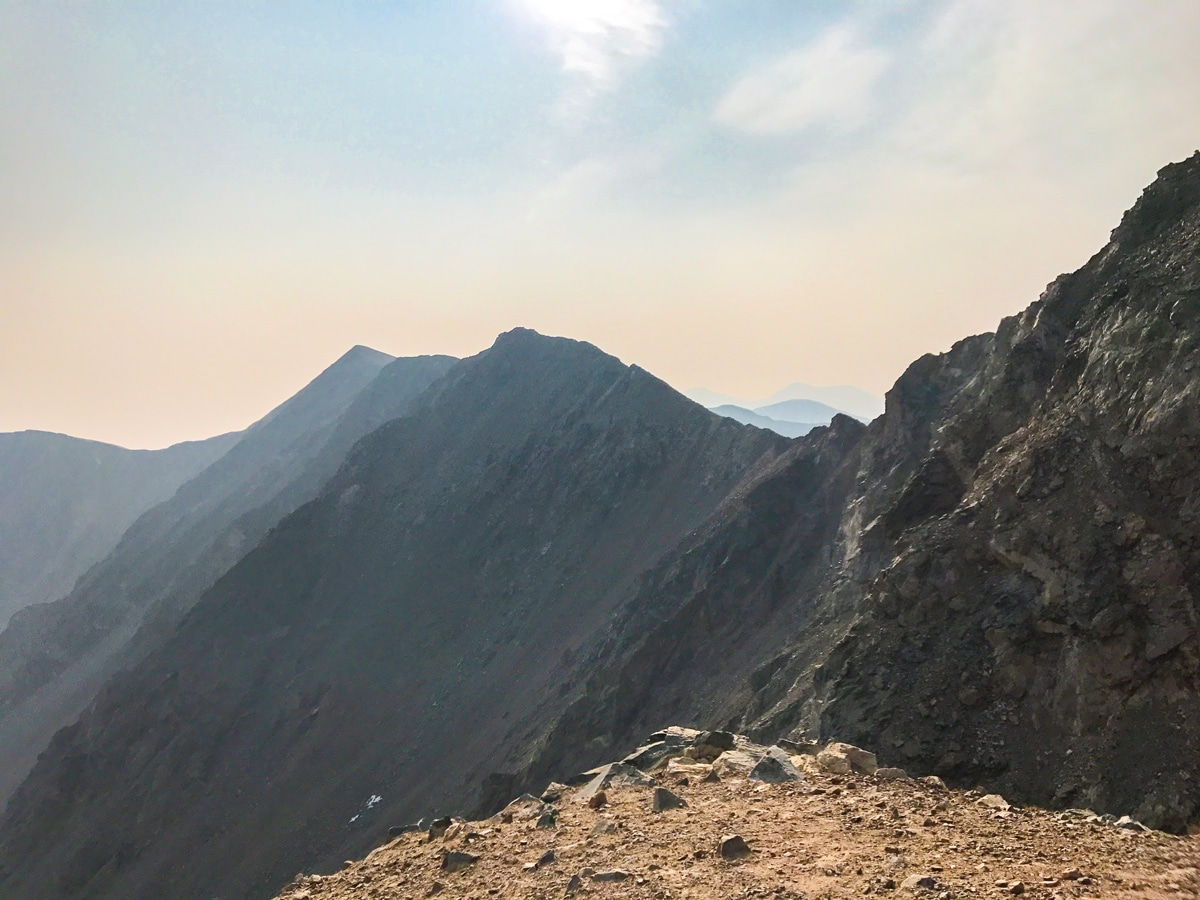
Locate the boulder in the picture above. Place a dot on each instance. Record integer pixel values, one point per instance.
(885, 773)
(613, 775)
(526, 806)
(614, 875)
(919, 883)
(664, 800)
(734, 764)
(438, 827)
(994, 801)
(733, 846)
(841, 759)
(775, 767)
(688, 768)
(454, 860)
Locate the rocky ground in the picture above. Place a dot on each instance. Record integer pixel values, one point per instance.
(704, 816)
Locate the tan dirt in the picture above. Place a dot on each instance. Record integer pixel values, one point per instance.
(833, 836)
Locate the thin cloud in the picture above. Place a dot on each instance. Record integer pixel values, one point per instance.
(827, 83)
(594, 39)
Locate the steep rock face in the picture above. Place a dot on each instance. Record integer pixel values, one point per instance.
(995, 581)
(368, 662)
(1044, 634)
(53, 658)
(65, 502)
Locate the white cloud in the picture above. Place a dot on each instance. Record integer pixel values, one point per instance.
(594, 38)
(828, 83)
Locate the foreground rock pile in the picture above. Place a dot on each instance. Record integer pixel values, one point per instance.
(711, 814)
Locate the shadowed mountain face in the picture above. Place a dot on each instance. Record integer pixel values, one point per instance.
(385, 638)
(65, 502)
(996, 581)
(54, 657)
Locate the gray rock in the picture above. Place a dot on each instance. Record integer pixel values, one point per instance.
(919, 883)
(775, 768)
(614, 775)
(1129, 823)
(548, 819)
(438, 827)
(799, 748)
(454, 860)
(602, 826)
(647, 757)
(733, 846)
(664, 799)
(614, 875)
(885, 773)
(553, 792)
(574, 884)
(544, 860)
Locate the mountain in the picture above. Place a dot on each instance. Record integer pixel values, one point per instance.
(801, 411)
(847, 398)
(55, 657)
(65, 502)
(840, 398)
(750, 417)
(372, 658)
(996, 581)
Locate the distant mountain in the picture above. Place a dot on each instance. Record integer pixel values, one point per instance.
(846, 399)
(750, 417)
(853, 401)
(369, 661)
(801, 411)
(54, 657)
(65, 502)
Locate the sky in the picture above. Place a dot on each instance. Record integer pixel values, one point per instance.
(204, 204)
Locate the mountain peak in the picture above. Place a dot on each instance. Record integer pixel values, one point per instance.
(360, 353)
(1170, 197)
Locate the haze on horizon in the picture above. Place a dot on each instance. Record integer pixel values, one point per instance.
(203, 205)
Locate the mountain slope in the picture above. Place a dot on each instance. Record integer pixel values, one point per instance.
(995, 581)
(431, 597)
(800, 411)
(65, 502)
(758, 420)
(53, 658)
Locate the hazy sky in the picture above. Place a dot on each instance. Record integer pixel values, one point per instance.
(203, 204)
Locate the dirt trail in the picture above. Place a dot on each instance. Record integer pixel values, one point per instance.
(830, 836)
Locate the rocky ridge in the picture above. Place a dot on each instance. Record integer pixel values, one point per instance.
(431, 597)
(996, 580)
(704, 814)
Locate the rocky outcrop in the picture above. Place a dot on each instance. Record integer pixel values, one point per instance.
(847, 835)
(995, 581)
